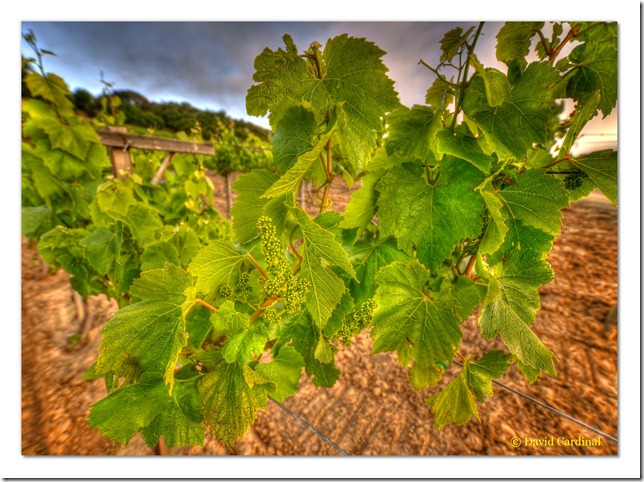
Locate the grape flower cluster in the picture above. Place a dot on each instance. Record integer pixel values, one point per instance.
(225, 291)
(242, 286)
(281, 281)
(354, 324)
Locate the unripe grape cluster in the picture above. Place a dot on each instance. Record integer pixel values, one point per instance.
(276, 264)
(281, 282)
(574, 180)
(354, 324)
(225, 291)
(296, 291)
(242, 286)
(270, 315)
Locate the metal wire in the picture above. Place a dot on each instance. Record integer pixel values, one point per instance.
(552, 409)
(311, 427)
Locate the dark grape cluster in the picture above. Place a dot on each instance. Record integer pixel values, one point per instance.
(225, 291)
(243, 287)
(574, 179)
(354, 324)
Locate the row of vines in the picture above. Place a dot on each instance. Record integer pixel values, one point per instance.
(459, 204)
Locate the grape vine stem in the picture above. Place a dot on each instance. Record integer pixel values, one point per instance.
(259, 268)
(328, 169)
(207, 305)
(470, 266)
(266, 304)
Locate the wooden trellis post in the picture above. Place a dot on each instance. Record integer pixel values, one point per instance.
(120, 142)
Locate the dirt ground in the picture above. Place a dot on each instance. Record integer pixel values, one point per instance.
(372, 409)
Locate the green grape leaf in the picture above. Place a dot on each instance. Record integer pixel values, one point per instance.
(463, 147)
(353, 78)
(456, 403)
(521, 120)
(101, 249)
(466, 294)
(186, 242)
(323, 351)
(294, 135)
(180, 419)
(408, 316)
(74, 137)
(601, 167)
(531, 374)
(156, 255)
(344, 308)
(523, 238)
(51, 88)
(198, 326)
(290, 181)
(243, 347)
(493, 365)
(439, 94)
(144, 223)
(326, 289)
(249, 206)
(497, 85)
(112, 202)
(328, 220)
(126, 411)
(44, 182)
(368, 256)
(536, 199)
(410, 132)
(514, 39)
(321, 251)
(596, 62)
(285, 371)
(452, 41)
(152, 331)
(230, 404)
(496, 228)
(321, 244)
(304, 335)
(216, 264)
(539, 158)
(511, 306)
(35, 220)
(362, 205)
(61, 164)
(431, 220)
(227, 321)
(577, 123)
(253, 378)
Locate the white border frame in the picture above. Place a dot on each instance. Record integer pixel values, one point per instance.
(627, 464)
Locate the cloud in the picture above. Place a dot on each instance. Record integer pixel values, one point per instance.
(212, 62)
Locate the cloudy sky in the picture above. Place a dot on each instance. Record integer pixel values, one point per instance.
(210, 64)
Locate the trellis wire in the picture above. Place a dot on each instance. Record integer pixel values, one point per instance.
(311, 428)
(552, 409)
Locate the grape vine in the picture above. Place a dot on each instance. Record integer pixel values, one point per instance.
(459, 205)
